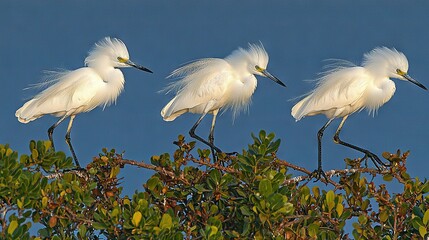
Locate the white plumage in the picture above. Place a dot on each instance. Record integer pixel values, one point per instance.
(208, 85)
(348, 89)
(345, 90)
(71, 92)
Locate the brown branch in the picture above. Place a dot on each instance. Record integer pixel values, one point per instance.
(334, 172)
(293, 166)
(216, 165)
(161, 170)
(303, 178)
(79, 172)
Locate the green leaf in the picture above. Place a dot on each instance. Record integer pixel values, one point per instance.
(362, 219)
(425, 187)
(12, 226)
(262, 135)
(265, 187)
(313, 229)
(215, 175)
(274, 146)
(166, 221)
(245, 211)
(387, 177)
(82, 231)
(99, 225)
(152, 183)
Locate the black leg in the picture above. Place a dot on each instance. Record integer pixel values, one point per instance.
(51, 130)
(319, 171)
(211, 135)
(375, 159)
(192, 134)
(68, 141)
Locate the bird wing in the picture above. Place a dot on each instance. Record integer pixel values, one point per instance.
(71, 92)
(337, 92)
(202, 81)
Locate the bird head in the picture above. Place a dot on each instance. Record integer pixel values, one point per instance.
(256, 61)
(111, 52)
(383, 61)
(404, 76)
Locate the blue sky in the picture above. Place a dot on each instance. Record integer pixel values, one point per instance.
(162, 35)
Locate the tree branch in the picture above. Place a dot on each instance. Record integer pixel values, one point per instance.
(161, 170)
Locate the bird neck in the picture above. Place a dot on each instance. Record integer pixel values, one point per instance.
(109, 74)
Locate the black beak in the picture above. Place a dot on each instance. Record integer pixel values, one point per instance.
(128, 62)
(270, 76)
(410, 79)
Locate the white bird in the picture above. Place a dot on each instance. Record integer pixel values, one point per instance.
(210, 84)
(69, 93)
(348, 89)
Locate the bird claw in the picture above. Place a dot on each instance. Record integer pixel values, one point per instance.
(231, 153)
(376, 160)
(318, 173)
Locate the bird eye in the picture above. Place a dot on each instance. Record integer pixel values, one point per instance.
(122, 60)
(400, 72)
(259, 69)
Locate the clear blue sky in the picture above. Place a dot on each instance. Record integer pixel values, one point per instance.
(298, 35)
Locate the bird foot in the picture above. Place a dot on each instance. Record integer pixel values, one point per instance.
(376, 160)
(231, 153)
(318, 173)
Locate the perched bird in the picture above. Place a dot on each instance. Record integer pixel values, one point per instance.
(348, 89)
(69, 93)
(210, 84)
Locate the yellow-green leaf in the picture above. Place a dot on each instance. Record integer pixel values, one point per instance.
(34, 153)
(19, 203)
(426, 217)
(12, 226)
(383, 216)
(330, 200)
(214, 230)
(44, 202)
(339, 209)
(137, 217)
(115, 212)
(387, 177)
(114, 172)
(422, 231)
(47, 144)
(9, 152)
(166, 221)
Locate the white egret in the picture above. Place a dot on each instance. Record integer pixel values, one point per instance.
(348, 89)
(210, 84)
(72, 92)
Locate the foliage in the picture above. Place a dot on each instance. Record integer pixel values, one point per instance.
(251, 195)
